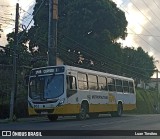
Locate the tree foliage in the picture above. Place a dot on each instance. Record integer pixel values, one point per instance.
(23, 54)
(38, 34)
(138, 63)
(87, 34)
(98, 20)
(93, 24)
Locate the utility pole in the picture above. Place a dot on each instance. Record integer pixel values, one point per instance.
(0, 29)
(52, 32)
(157, 90)
(14, 77)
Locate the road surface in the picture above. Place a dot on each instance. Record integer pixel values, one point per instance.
(148, 124)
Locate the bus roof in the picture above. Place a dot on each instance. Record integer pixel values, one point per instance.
(82, 70)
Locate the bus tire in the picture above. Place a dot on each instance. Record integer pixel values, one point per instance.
(119, 111)
(52, 117)
(93, 115)
(83, 112)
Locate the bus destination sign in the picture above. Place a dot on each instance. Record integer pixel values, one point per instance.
(48, 70)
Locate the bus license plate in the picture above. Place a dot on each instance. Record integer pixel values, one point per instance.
(44, 112)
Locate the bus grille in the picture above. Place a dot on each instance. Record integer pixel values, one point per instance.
(43, 111)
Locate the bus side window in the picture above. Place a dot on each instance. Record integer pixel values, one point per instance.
(71, 85)
(92, 82)
(131, 87)
(82, 81)
(111, 84)
(119, 85)
(125, 86)
(102, 82)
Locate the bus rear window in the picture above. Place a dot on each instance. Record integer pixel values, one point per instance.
(131, 87)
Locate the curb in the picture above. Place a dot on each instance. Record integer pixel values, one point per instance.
(30, 119)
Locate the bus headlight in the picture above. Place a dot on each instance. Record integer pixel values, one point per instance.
(61, 101)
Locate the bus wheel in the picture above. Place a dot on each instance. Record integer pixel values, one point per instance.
(83, 112)
(93, 115)
(119, 111)
(52, 117)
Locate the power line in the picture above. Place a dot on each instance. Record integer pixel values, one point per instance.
(145, 16)
(147, 42)
(156, 4)
(98, 62)
(6, 6)
(31, 20)
(95, 60)
(25, 11)
(142, 35)
(151, 10)
(120, 63)
(148, 35)
(30, 5)
(101, 54)
(7, 18)
(103, 67)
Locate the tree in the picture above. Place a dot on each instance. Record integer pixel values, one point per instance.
(87, 33)
(92, 28)
(92, 23)
(23, 54)
(98, 20)
(137, 63)
(4, 55)
(38, 34)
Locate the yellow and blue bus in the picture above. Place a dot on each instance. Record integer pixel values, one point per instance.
(66, 90)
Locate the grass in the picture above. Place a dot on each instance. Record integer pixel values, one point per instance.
(146, 102)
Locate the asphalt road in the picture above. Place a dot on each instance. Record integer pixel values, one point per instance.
(94, 127)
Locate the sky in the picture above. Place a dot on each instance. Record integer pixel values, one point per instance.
(142, 16)
(7, 15)
(143, 25)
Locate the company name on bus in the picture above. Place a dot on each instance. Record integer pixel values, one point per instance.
(99, 97)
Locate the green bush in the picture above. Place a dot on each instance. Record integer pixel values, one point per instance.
(146, 102)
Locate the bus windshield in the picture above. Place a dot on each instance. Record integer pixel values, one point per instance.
(46, 87)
